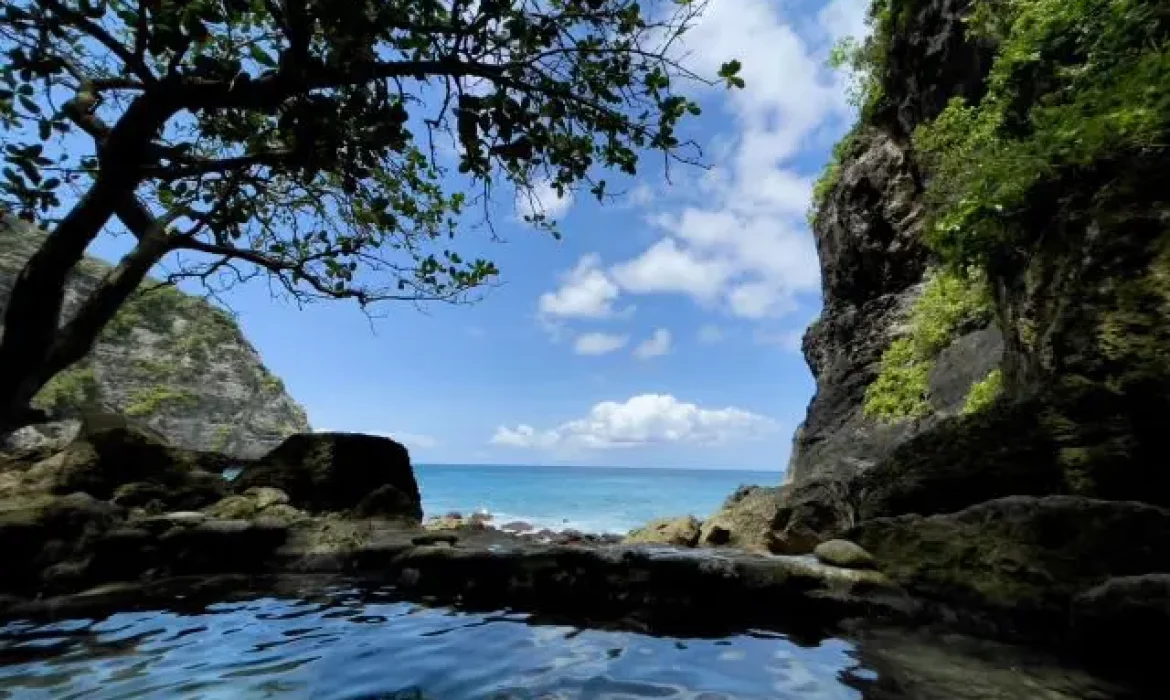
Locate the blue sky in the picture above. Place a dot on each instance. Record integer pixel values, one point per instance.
(663, 330)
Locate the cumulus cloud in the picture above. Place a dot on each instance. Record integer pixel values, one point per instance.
(646, 419)
(735, 237)
(586, 291)
(599, 343)
(666, 267)
(543, 199)
(656, 345)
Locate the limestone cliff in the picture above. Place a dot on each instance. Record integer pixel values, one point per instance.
(874, 262)
(1006, 142)
(171, 360)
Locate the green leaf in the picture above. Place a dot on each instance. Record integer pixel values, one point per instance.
(262, 57)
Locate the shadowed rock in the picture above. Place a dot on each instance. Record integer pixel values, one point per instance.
(334, 472)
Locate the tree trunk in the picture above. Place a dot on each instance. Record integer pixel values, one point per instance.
(33, 317)
(75, 339)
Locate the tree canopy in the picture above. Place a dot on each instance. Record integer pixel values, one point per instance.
(336, 145)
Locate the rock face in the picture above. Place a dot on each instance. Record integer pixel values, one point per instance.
(873, 264)
(334, 472)
(169, 360)
(1020, 555)
(113, 458)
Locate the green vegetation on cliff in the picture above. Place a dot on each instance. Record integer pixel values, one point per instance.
(1073, 110)
(1076, 85)
(949, 302)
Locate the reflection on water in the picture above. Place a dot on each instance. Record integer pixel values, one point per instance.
(368, 646)
(352, 646)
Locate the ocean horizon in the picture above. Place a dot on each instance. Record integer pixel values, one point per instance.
(590, 499)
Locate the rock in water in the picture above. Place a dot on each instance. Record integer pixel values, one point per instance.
(170, 360)
(746, 520)
(843, 553)
(335, 472)
(683, 532)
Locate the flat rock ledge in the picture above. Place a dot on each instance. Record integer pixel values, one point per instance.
(477, 570)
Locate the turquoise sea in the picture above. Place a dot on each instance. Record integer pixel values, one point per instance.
(588, 499)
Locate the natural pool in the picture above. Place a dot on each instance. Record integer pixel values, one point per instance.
(349, 642)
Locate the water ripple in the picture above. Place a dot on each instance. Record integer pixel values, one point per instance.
(355, 645)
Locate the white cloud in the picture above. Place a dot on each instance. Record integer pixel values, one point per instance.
(543, 199)
(734, 237)
(599, 343)
(711, 334)
(585, 292)
(666, 267)
(845, 18)
(646, 419)
(656, 345)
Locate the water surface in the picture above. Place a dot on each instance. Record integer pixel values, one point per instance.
(589, 499)
(359, 642)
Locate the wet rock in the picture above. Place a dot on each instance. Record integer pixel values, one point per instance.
(337, 472)
(683, 532)
(213, 546)
(39, 533)
(843, 553)
(387, 501)
(746, 520)
(1021, 555)
(1117, 622)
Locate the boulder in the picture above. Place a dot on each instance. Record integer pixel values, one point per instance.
(41, 532)
(1117, 622)
(194, 489)
(813, 512)
(266, 496)
(260, 502)
(234, 508)
(451, 521)
(1019, 554)
(843, 553)
(683, 532)
(334, 472)
(387, 501)
(746, 520)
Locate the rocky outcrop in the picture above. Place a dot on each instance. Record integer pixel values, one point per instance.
(112, 458)
(682, 532)
(170, 360)
(745, 521)
(366, 475)
(1022, 557)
